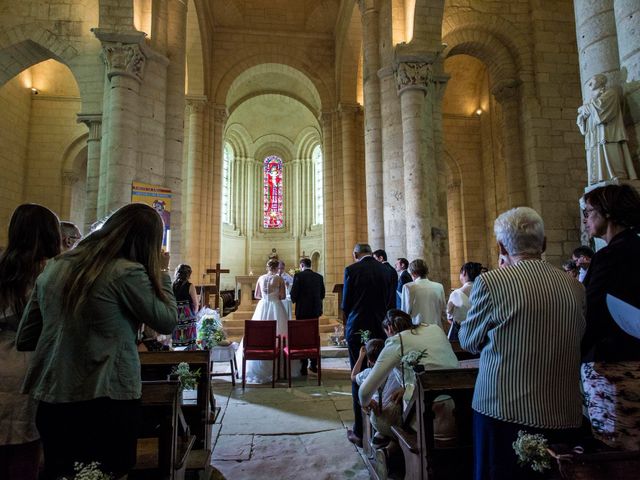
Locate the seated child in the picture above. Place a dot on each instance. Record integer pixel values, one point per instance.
(386, 406)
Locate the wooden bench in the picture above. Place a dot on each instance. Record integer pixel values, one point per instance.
(424, 458)
(164, 441)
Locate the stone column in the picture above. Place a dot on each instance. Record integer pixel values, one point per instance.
(69, 179)
(219, 121)
(333, 274)
(506, 94)
(193, 188)
(176, 27)
(597, 41)
(372, 122)
(627, 16)
(349, 178)
(125, 63)
(412, 80)
(457, 251)
(94, 124)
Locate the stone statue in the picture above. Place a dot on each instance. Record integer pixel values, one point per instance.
(600, 121)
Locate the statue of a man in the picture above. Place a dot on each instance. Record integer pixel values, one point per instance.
(600, 121)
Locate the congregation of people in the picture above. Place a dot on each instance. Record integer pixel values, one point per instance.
(551, 354)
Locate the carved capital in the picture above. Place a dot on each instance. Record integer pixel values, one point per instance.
(506, 90)
(195, 105)
(93, 121)
(124, 60)
(69, 177)
(349, 109)
(220, 114)
(413, 75)
(325, 118)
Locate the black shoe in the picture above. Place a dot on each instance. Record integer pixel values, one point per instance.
(353, 438)
(313, 369)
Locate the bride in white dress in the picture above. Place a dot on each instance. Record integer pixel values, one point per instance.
(271, 290)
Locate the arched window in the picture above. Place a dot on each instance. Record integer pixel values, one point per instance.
(316, 156)
(227, 158)
(273, 195)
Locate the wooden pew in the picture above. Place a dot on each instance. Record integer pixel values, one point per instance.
(164, 441)
(424, 458)
(197, 413)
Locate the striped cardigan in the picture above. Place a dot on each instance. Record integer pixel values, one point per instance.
(527, 321)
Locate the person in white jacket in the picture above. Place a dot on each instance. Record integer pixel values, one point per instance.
(423, 299)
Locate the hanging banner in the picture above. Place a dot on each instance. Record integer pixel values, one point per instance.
(159, 198)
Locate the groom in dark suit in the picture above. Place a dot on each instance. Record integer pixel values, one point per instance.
(369, 291)
(307, 293)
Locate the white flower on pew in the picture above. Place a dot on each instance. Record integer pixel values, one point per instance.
(412, 359)
(188, 379)
(532, 450)
(90, 471)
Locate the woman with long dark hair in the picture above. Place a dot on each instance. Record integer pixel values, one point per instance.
(34, 237)
(82, 320)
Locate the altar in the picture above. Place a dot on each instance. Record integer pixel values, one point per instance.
(247, 286)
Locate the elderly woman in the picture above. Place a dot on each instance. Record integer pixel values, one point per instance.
(406, 338)
(611, 356)
(526, 321)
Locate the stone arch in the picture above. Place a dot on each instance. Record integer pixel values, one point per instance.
(26, 45)
(195, 73)
(306, 141)
(292, 59)
(504, 31)
(274, 144)
(74, 171)
(239, 139)
(297, 98)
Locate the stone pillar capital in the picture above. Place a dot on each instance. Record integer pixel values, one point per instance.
(413, 76)
(122, 53)
(220, 114)
(196, 104)
(69, 177)
(93, 121)
(349, 109)
(325, 117)
(506, 90)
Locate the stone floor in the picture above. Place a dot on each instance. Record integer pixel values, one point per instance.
(282, 433)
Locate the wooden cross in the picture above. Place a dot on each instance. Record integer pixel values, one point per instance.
(217, 272)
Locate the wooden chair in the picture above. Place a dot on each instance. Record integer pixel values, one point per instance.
(165, 439)
(302, 341)
(260, 343)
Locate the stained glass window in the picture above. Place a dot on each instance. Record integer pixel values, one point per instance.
(316, 156)
(227, 158)
(273, 193)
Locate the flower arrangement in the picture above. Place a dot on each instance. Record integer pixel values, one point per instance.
(210, 332)
(90, 471)
(293, 271)
(412, 359)
(365, 335)
(532, 450)
(188, 379)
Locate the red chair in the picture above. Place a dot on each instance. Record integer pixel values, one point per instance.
(303, 338)
(260, 343)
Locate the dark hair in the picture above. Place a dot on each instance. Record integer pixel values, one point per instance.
(181, 275)
(373, 348)
(404, 262)
(569, 265)
(34, 236)
(397, 321)
(380, 253)
(583, 251)
(472, 269)
(419, 267)
(273, 264)
(619, 203)
(306, 262)
(133, 232)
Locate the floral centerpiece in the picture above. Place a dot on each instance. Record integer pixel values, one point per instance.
(293, 271)
(188, 379)
(90, 471)
(210, 332)
(412, 360)
(532, 450)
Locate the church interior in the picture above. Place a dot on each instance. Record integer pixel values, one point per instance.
(298, 128)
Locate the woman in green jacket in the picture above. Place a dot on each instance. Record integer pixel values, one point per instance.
(82, 320)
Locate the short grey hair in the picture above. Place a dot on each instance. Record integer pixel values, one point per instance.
(362, 248)
(520, 230)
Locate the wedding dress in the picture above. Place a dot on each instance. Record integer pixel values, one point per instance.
(270, 287)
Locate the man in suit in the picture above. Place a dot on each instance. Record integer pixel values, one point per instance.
(307, 293)
(526, 321)
(404, 277)
(381, 256)
(423, 299)
(366, 294)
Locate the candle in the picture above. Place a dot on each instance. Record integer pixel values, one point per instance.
(168, 240)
